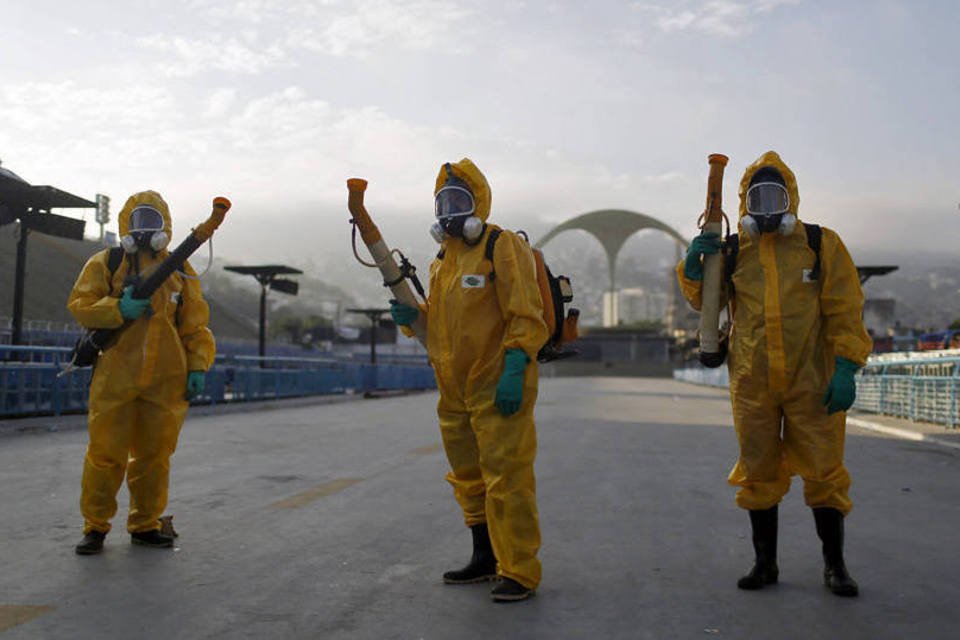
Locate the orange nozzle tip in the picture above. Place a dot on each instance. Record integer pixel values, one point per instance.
(356, 184)
(718, 157)
(220, 201)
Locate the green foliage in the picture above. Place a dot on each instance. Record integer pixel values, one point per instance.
(289, 326)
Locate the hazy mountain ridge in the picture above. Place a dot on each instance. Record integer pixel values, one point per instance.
(926, 287)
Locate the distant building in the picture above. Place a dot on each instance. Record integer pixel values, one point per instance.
(638, 305)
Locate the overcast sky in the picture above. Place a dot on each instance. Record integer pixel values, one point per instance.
(566, 106)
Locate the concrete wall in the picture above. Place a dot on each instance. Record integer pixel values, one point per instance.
(610, 352)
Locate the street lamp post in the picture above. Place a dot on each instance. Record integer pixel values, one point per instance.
(374, 315)
(266, 275)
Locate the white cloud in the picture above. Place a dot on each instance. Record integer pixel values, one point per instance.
(667, 177)
(675, 21)
(724, 18)
(65, 108)
(730, 19)
(550, 108)
(415, 26)
(350, 28)
(188, 57)
(762, 6)
(629, 38)
(260, 11)
(219, 102)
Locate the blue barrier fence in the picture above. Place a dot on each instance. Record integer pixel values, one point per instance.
(924, 388)
(29, 384)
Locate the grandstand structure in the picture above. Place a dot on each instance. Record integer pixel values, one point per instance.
(53, 265)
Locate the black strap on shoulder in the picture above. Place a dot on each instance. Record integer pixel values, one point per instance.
(114, 259)
(488, 249)
(491, 240)
(814, 234)
(730, 250)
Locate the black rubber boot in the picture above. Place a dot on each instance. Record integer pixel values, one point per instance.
(152, 538)
(830, 529)
(764, 571)
(510, 590)
(91, 544)
(483, 564)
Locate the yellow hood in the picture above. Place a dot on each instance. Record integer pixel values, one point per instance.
(770, 159)
(469, 173)
(149, 198)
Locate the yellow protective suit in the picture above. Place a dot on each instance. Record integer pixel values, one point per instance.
(471, 322)
(786, 332)
(137, 394)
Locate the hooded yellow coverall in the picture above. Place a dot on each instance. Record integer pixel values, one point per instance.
(472, 319)
(137, 393)
(786, 333)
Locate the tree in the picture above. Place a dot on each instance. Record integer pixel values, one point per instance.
(297, 328)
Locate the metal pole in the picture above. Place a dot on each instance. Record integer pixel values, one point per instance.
(19, 278)
(263, 321)
(373, 337)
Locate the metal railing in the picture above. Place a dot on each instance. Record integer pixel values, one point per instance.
(923, 387)
(29, 384)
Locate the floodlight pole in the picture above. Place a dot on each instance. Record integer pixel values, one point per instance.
(264, 282)
(374, 316)
(19, 281)
(103, 212)
(266, 276)
(373, 338)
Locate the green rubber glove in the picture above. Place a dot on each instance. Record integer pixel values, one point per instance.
(510, 387)
(842, 390)
(403, 314)
(132, 308)
(703, 244)
(196, 380)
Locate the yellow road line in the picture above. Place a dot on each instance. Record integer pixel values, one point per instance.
(307, 496)
(427, 450)
(13, 614)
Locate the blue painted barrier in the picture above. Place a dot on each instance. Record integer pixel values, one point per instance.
(29, 384)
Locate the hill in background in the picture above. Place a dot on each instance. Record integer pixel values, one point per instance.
(926, 288)
(53, 265)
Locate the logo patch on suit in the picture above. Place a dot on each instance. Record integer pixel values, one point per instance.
(472, 281)
(808, 275)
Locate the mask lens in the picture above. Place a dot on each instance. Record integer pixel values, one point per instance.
(453, 201)
(767, 198)
(145, 219)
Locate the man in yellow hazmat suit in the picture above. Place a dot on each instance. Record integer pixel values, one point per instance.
(484, 329)
(797, 341)
(142, 383)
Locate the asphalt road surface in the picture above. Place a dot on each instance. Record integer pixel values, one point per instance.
(333, 521)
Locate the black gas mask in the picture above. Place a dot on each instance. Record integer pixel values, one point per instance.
(768, 204)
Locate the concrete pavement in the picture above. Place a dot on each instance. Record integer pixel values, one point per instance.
(333, 521)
